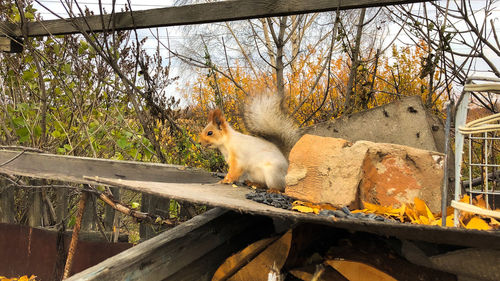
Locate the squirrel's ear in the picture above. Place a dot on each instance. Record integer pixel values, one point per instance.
(211, 116)
(216, 117)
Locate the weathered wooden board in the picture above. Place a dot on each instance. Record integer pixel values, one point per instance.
(233, 198)
(73, 169)
(196, 186)
(214, 234)
(10, 45)
(192, 14)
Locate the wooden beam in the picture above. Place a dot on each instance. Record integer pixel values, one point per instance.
(229, 197)
(9, 45)
(215, 232)
(74, 169)
(191, 14)
(194, 186)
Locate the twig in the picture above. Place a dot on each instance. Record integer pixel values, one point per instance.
(13, 158)
(74, 236)
(127, 211)
(25, 148)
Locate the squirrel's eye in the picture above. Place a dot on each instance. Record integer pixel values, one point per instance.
(210, 133)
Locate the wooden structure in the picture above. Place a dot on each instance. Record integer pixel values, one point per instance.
(212, 236)
(196, 186)
(189, 14)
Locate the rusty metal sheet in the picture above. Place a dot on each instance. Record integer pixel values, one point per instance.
(34, 251)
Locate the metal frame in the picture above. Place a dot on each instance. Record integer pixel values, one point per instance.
(461, 130)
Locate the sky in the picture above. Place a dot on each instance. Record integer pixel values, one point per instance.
(176, 37)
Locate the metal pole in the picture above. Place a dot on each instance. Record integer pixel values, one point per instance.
(444, 190)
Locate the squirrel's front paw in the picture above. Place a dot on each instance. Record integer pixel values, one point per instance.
(226, 181)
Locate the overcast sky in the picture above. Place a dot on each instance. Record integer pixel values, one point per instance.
(176, 35)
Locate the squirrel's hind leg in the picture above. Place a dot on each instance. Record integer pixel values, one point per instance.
(275, 179)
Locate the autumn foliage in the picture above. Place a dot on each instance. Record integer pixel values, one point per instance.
(379, 80)
(416, 213)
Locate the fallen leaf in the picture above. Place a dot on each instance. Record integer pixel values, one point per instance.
(477, 223)
(479, 201)
(422, 209)
(449, 221)
(253, 262)
(307, 273)
(357, 271)
(303, 209)
(494, 223)
(465, 199)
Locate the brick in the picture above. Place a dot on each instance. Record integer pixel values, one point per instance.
(334, 171)
(396, 174)
(325, 170)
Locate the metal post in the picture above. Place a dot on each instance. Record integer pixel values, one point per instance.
(460, 118)
(444, 191)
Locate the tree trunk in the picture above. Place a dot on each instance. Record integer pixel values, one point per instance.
(89, 222)
(62, 204)
(35, 210)
(153, 205)
(349, 100)
(7, 208)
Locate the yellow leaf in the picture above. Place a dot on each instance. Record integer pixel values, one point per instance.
(494, 222)
(357, 271)
(423, 210)
(410, 213)
(424, 220)
(479, 201)
(381, 210)
(249, 264)
(465, 199)
(23, 278)
(303, 209)
(310, 207)
(449, 221)
(477, 223)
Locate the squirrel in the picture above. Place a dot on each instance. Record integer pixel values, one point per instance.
(260, 159)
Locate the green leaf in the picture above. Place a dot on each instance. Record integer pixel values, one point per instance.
(122, 142)
(135, 205)
(61, 150)
(83, 47)
(19, 122)
(72, 222)
(67, 68)
(67, 147)
(22, 132)
(28, 75)
(37, 131)
(56, 134)
(29, 15)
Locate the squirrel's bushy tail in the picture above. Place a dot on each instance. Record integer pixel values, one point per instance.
(265, 116)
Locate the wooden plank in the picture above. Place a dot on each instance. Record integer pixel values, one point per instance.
(74, 169)
(7, 207)
(10, 45)
(192, 14)
(475, 209)
(162, 256)
(232, 198)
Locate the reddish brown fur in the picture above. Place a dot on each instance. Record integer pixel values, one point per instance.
(217, 124)
(234, 172)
